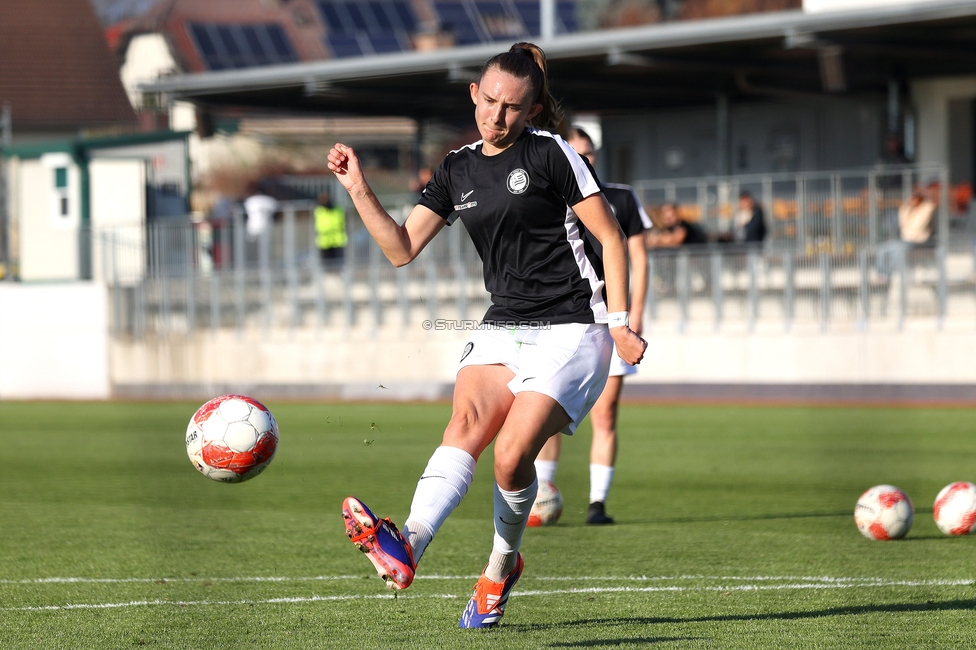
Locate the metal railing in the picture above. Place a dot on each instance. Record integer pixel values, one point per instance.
(185, 279)
(809, 212)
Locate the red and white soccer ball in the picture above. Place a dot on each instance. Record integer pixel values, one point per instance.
(955, 508)
(884, 512)
(231, 438)
(548, 505)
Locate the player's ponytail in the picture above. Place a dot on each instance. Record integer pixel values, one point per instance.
(528, 61)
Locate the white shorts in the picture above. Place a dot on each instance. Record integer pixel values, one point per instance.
(619, 367)
(568, 362)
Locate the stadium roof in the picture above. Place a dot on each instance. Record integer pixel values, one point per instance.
(673, 64)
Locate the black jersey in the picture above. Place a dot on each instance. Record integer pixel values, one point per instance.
(627, 209)
(538, 264)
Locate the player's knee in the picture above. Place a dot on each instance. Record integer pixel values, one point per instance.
(603, 417)
(510, 464)
(465, 428)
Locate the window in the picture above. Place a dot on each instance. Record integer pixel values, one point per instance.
(61, 190)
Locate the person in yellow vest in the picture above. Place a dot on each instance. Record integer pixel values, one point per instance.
(330, 231)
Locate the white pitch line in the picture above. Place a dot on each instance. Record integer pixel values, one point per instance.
(337, 578)
(553, 592)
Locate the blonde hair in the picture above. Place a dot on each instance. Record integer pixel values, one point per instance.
(528, 61)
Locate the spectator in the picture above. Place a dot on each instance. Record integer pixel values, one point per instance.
(749, 224)
(330, 231)
(260, 209)
(915, 218)
(674, 231)
(419, 182)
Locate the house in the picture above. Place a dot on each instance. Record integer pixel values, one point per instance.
(73, 161)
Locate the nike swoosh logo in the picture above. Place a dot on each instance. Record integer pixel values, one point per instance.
(466, 194)
(527, 379)
(510, 523)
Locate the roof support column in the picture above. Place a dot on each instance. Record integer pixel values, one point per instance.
(547, 15)
(722, 135)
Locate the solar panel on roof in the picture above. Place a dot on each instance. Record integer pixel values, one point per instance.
(254, 44)
(406, 15)
(226, 38)
(343, 45)
(204, 42)
(383, 21)
(500, 22)
(357, 27)
(240, 46)
(282, 46)
(566, 11)
(358, 20)
(383, 43)
(332, 18)
(454, 18)
(529, 13)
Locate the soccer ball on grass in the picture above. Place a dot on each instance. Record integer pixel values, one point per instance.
(231, 438)
(955, 508)
(884, 512)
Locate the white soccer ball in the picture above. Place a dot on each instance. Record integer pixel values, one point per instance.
(231, 438)
(548, 505)
(884, 512)
(955, 508)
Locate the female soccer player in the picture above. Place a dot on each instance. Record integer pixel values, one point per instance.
(540, 358)
(634, 221)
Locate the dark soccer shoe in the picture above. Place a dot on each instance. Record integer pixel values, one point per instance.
(596, 515)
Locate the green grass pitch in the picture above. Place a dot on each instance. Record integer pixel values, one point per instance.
(735, 530)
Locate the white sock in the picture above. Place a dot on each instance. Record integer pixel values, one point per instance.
(601, 476)
(439, 491)
(511, 514)
(545, 470)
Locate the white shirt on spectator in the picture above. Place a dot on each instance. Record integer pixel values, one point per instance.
(260, 211)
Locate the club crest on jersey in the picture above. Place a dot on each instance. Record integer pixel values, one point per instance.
(518, 181)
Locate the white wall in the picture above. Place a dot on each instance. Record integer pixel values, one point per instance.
(48, 242)
(931, 98)
(118, 202)
(54, 341)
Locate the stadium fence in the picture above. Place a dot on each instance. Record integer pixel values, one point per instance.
(181, 279)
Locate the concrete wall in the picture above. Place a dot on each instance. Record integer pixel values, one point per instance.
(393, 363)
(54, 341)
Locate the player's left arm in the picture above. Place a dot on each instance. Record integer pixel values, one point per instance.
(638, 280)
(594, 212)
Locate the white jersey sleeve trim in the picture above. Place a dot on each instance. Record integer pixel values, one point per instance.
(587, 183)
(645, 219)
(597, 304)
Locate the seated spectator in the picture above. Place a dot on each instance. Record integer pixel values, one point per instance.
(749, 223)
(674, 231)
(915, 218)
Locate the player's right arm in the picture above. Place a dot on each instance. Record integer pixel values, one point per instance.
(400, 243)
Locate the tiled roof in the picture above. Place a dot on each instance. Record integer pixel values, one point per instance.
(56, 70)
(297, 19)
